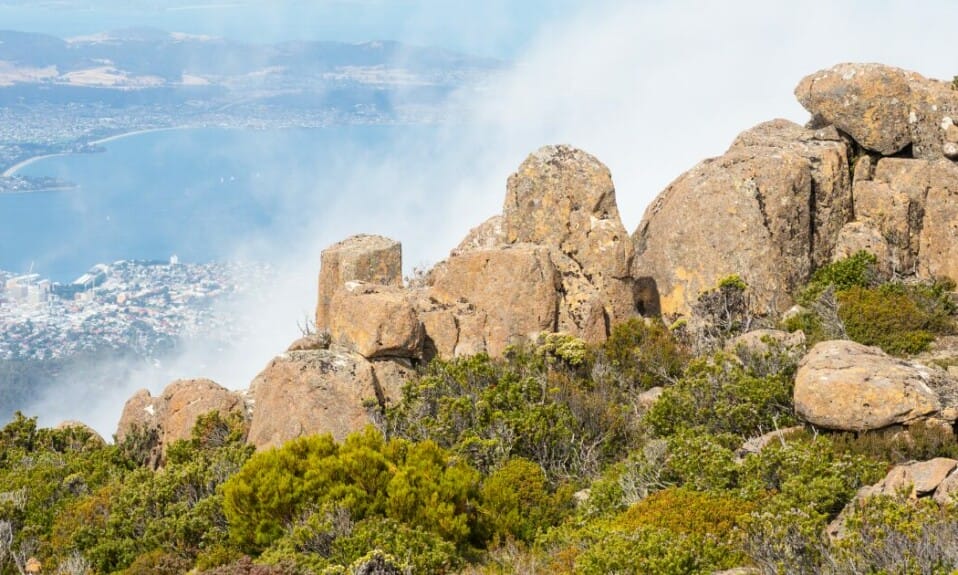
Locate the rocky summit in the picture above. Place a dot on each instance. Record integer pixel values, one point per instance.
(873, 169)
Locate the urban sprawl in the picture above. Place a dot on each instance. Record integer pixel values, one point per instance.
(141, 307)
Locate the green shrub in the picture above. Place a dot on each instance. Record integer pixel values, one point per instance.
(807, 474)
(489, 410)
(723, 312)
(900, 319)
(920, 442)
(719, 395)
(886, 535)
(703, 461)
(518, 502)
(688, 512)
(641, 354)
(298, 488)
(858, 270)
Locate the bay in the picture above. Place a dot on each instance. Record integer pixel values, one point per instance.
(195, 193)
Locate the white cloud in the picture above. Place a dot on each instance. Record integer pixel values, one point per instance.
(649, 87)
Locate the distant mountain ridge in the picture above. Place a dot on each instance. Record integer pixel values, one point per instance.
(145, 58)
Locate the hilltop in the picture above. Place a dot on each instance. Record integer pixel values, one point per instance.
(760, 377)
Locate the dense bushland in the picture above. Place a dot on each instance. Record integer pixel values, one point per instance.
(553, 459)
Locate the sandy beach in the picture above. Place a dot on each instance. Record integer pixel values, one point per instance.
(16, 167)
(12, 170)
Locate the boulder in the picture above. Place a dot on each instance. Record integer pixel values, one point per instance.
(847, 386)
(366, 258)
(916, 479)
(885, 109)
(919, 478)
(306, 392)
(173, 413)
(906, 215)
(391, 375)
(934, 110)
(869, 102)
(513, 291)
(92, 437)
(311, 341)
(375, 321)
(769, 210)
(763, 341)
(945, 493)
(563, 197)
(485, 236)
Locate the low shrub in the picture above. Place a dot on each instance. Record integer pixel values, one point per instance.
(719, 395)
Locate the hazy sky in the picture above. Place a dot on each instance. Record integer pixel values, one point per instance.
(650, 87)
(498, 28)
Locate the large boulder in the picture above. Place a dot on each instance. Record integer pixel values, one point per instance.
(884, 109)
(365, 258)
(847, 386)
(769, 210)
(375, 321)
(870, 102)
(509, 294)
(173, 413)
(306, 392)
(563, 197)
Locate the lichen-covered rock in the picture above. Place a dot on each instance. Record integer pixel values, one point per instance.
(870, 102)
(563, 197)
(885, 109)
(485, 236)
(173, 413)
(749, 213)
(764, 341)
(513, 290)
(365, 258)
(906, 214)
(306, 392)
(375, 321)
(918, 479)
(847, 386)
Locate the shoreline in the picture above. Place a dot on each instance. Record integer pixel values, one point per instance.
(12, 170)
(133, 133)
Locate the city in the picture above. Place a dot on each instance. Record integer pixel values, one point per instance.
(139, 307)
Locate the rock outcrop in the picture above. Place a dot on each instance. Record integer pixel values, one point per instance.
(782, 201)
(934, 478)
(365, 258)
(769, 210)
(316, 391)
(906, 215)
(375, 321)
(847, 386)
(173, 413)
(885, 109)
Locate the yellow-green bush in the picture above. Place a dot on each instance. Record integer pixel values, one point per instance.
(696, 513)
(897, 318)
(518, 502)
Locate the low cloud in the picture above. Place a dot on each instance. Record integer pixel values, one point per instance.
(648, 87)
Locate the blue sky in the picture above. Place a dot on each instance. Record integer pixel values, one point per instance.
(497, 28)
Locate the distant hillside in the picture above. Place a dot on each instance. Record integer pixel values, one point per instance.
(145, 59)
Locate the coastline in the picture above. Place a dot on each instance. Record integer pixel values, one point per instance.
(12, 170)
(133, 133)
